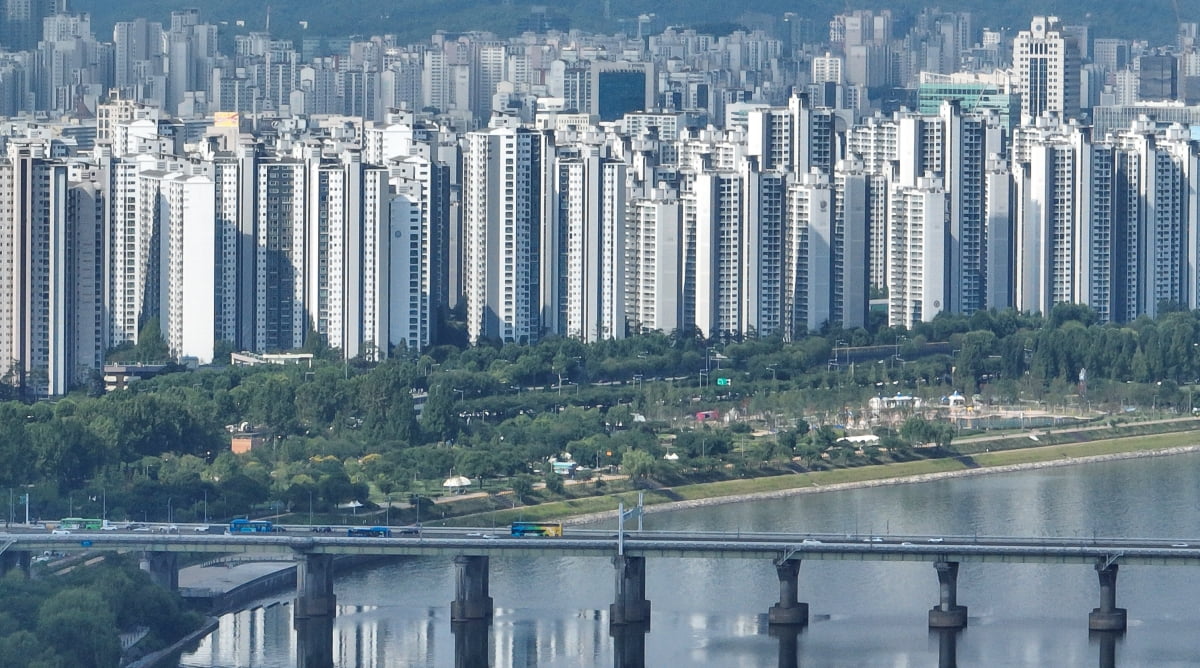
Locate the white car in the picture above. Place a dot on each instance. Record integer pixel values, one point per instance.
(61, 532)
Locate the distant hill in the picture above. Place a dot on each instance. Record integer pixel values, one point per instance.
(414, 20)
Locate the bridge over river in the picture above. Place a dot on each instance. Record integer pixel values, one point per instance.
(628, 551)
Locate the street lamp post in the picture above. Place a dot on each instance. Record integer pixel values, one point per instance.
(168, 510)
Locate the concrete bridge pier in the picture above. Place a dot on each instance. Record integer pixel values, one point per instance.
(630, 605)
(471, 600)
(1107, 617)
(314, 641)
(314, 587)
(11, 559)
(947, 614)
(788, 636)
(789, 610)
(163, 568)
(947, 647)
(629, 644)
(471, 643)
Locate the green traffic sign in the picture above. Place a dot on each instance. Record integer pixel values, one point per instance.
(724, 381)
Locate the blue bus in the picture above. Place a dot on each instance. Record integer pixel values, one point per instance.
(536, 529)
(250, 526)
(369, 532)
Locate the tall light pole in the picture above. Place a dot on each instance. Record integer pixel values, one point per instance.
(168, 510)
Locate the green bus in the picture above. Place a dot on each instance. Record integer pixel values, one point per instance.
(81, 524)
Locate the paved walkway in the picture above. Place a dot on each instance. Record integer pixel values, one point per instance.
(222, 578)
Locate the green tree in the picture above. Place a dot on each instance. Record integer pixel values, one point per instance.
(522, 486)
(638, 463)
(438, 418)
(81, 627)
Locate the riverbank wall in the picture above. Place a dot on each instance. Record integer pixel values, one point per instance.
(1066, 460)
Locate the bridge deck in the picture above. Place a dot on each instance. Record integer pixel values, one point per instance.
(593, 543)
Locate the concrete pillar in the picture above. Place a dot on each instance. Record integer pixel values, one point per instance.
(314, 641)
(314, 587)
(630, 605)
(163, 568)
(471, 600)
(789, 609)
(1107, 617)
(947, 614)
(10, 559)
(788, 636)
(629, 644)
(1107, 640)
(471, 643)
(947, 647)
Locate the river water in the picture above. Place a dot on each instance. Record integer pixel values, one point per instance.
(554, 611)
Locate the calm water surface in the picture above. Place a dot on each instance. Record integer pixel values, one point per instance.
(554, 611)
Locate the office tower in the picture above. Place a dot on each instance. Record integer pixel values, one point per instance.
(807, 287)
(414, 289)
(590, 246)
(917, 268)
(1046, 60)
(1158, 77)
(619, 88)
(1111, 55)
(654, 271)
(505, 207)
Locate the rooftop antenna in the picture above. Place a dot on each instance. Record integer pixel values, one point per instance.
(268, 19)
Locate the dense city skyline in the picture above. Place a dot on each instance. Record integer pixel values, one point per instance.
(359, 192)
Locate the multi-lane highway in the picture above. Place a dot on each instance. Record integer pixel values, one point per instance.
(302, 539)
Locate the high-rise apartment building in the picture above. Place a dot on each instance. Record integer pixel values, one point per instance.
(506, 217)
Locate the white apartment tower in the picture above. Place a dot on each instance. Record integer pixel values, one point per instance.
(654, 269)
(188, 278)
(808, 294)
(590, 191)
(917, 269)
(415, 286)
(505, 206)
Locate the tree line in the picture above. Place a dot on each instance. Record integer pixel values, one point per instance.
(349, 431)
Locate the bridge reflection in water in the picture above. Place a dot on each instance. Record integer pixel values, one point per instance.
(478, 644)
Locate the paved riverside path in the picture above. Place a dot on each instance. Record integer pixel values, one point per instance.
(223, 578)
